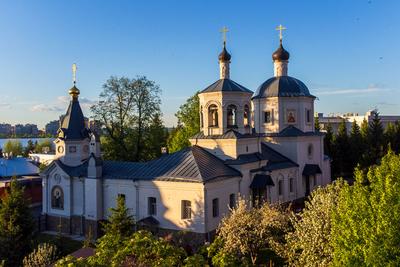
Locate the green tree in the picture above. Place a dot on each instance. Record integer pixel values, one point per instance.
(254, 235)
(310, 242)
(317, 126)
(156, 138)
(30, 147)
(120, 221)
(365, 225)
(13, 147)
(357, 145)
(188, 117)
(126, 109)
(390, 137)
(328, 141)
(341, 160)
(16, 225)
(375, 140)
(43, 146)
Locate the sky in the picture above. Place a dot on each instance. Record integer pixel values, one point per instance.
(346, 52)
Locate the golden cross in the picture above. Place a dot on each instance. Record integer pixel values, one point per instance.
(280, 28)
(74, 73)
(224, 30)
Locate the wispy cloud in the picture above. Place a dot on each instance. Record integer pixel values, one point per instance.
(46, 108)
(5, 105)
(60, 104)
(373, 88)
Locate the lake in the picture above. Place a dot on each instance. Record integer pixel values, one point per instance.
(24, 141)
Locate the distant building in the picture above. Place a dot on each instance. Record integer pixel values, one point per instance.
(27, 129)
(52, 127)
(5, 129)
(335, 120)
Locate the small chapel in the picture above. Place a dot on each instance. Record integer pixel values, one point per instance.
(259, 145)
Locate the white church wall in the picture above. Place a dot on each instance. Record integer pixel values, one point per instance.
(77, 196)
(220, 190)
(284, 175)
(169, 197)
(93, 199)
(112, 188)
(57, 177)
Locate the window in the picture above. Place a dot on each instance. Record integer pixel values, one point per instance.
(291, 185)
(232, 201)
(280, 187)
(310, 150)
(72, 149)
(152, 206)
(267, 117)
(186, 209)
(246, 115)
(231, 116)
(213, 116)
(308, 116)
(57, 198)
(215, 207)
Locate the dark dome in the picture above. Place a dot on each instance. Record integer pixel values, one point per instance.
(282, 86)
(280, 54)
(224, 55)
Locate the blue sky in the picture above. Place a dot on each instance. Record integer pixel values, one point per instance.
(347, 52)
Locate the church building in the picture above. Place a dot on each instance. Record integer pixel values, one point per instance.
(262, 146)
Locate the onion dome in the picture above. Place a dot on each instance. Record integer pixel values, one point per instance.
(224, 55)
(280, 54)
(282, 86)
(74, 92)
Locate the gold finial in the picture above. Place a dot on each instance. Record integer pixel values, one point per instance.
(280, 28)
(224, 30)
(74, 68)
(74, 92)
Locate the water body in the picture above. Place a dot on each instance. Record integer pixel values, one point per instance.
(24, 141)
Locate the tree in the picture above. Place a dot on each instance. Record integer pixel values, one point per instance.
(13, 147)
(328, 141)
(30, 147)
(390, 137)
(188, 117)
(16, 225)
(357, 145)
(375, 140)
(365, 225)
(156, 138)
(44, 146)
(249, 233)
(310, 242)
(44, 255)
(126, 109)
(341, 157)
(119, 227)
(317, 126)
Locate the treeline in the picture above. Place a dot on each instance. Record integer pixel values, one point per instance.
(364, 146)
(15, 148)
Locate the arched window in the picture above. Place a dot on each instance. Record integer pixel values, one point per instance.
(246, 115)
(213, 116)
(231, 116)
(310, 151)
(57, 198)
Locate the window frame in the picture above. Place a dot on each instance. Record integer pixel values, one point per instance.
(215, 207)
(232, 201)
(267, 118)
(280, 188)
(186, 209)
(152, 206)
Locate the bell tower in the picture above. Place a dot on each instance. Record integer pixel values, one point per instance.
(73, 137)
